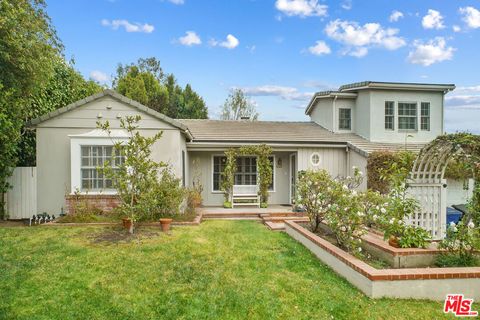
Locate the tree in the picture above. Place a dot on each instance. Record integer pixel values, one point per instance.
(66, 85)
(238, 106)
(146, 83)
(28, 44)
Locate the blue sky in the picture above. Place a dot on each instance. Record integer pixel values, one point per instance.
(282, 51)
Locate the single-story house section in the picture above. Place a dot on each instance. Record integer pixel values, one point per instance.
(344, 126)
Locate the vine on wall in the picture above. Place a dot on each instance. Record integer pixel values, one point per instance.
(264, 169)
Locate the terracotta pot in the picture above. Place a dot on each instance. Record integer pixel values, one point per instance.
(128, 224)
(165, 223)
(393, 241)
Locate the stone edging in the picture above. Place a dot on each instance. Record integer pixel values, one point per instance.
(385, 274)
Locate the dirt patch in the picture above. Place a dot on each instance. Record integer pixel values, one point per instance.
(120, 235)
(13, 223)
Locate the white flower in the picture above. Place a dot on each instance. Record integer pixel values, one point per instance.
(454, 229)
(360, 214)
(452, 224)
(383, 210)
(360, 173)
(345, 187)
(342, 228)
(471, 225)
(354, 192)
(375, 217)
(329, 206)
(392, 220)
(359, 249)
(377, 207)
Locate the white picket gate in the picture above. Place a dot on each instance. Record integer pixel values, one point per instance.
(432, 215)
(22, 197)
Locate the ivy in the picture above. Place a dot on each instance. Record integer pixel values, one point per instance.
(263, 152)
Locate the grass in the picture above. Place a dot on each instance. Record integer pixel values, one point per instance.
(218, 270)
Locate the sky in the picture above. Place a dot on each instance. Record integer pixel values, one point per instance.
(282, 51)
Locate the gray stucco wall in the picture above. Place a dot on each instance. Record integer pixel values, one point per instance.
(362, 114)
(377, 125)
(53, 146)
(322, 113)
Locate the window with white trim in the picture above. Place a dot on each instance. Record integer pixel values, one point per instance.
(245, 173)
(425, 116)
(389, 115)
(407, 116)
(93, 157)
(345, 119)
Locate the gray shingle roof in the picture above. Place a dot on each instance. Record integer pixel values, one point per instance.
(282, 132)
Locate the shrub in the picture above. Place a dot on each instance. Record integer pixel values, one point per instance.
(314, 195)
(460, 244)
(383, 165)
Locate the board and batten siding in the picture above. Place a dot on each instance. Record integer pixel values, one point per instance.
(333, 160)
(357, 160)
(22, 197)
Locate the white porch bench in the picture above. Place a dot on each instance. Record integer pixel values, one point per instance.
(245, 196)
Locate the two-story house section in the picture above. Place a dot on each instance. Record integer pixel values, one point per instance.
(383, 111)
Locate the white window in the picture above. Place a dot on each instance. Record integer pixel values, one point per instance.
(407, 116)
(345, 119)
(389, 115)
(315, 159)
(246, 171)
(425, 116)
(94, 157)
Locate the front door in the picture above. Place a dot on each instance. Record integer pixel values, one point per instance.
(293, 176)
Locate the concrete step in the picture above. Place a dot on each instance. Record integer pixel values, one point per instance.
(275, 226)
(281, 219)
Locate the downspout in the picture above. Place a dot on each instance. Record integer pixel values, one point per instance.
(334, 124)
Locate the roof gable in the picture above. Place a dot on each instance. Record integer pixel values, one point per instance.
(115, 95)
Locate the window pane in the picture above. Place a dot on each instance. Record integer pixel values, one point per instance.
(407, 116)
(344, 119)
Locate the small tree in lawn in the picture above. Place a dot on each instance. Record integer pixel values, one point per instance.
(138, 173)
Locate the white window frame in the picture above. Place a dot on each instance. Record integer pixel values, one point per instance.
(319, 159)
(223, 155)
(415, 117)
(429, 116)
(339, 120)
(389, 115)
(76, 144)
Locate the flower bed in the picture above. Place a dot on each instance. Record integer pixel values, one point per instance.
(419, 283)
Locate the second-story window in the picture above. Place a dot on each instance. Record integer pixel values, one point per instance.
(345, 119)
(425, 116)
(389, 115)
(407, 116)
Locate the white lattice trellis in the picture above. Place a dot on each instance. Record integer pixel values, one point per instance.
(428, 186)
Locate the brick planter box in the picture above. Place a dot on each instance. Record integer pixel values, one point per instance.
(418, 283)
(103, 202)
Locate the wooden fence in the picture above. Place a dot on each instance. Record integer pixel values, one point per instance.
(22, 198)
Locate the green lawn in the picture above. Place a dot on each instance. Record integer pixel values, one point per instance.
(219, 270)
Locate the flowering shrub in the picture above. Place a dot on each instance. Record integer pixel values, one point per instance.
(314, 195)
(337, 203)
(460, 243)
(373, 205)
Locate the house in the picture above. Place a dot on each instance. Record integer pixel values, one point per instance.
(344, 127)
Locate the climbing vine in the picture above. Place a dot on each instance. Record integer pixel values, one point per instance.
(264, 169)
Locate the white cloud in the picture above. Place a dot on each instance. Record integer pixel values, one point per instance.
(347, 4)
(359, 38)
(190, 39)
(320, 48)
(230, 43)
(99, 76)
(433, 20)
(286, 93)
(176, 1)
(471, 16)
(431, 52)
(301, 8)
(456, 28)
(128, 26)
(395, 16)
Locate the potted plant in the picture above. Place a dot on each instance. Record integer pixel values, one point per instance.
(165, 224)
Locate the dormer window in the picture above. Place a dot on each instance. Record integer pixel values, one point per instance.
(345, 119)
